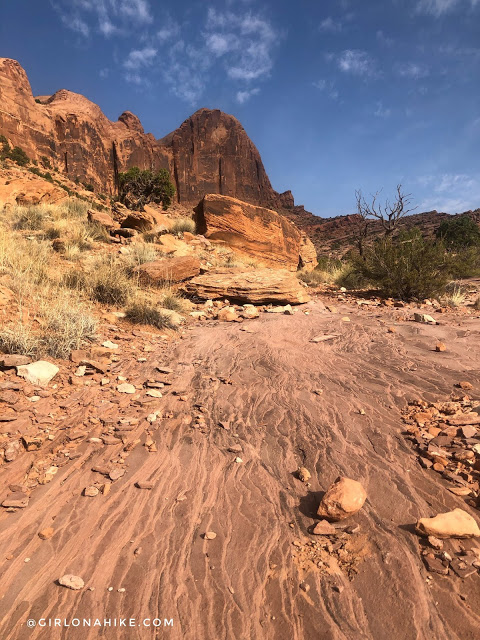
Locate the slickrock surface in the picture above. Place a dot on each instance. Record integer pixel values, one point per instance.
(276, 401)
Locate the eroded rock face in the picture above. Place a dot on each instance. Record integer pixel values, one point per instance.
(209, 153)
(262, 286)
(308, 254)
(253, 232)
(343, 499)
(24, 189)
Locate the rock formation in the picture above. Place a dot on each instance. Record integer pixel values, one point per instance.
(253, 232)
(262, 286)
(209, 153)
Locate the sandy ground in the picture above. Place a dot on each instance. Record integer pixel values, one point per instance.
(246, 583)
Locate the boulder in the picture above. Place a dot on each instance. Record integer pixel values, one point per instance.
(343, 499)
(262, 286)
(169, 270)
(17, 499)
(453, 524)
(253, 232)
(171, 245)
(139, 220)
(101, 218)
(38, 373)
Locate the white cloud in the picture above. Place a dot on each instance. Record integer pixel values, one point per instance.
(109, 17)
(244, 40)
(452, 193)
(384, 39)
(413, 70)
(168, 31)
(138, 58)
(356, 62)
(439, 7)
(381, 111)
(244, 96)
(327, 87)
(329, 25)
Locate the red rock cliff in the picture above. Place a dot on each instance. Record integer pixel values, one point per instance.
(209, 153)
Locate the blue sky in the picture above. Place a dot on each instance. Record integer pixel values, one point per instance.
(337, 95)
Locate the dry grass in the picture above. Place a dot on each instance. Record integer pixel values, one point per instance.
(140, 253)
(476, 304)
(144, 312)
(107, 281)
(454, 296)
(171, 299)
(180, 225)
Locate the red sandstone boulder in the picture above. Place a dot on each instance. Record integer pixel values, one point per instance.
(253, 232)
(102, 218)
(343, 499)
(262, 286)
(169, 270)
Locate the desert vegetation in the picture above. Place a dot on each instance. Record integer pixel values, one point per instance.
(139, 187)
(58, 267)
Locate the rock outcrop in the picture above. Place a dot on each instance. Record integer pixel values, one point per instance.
(22, 188)
(209, 153)
(254, 232)
(262, 286)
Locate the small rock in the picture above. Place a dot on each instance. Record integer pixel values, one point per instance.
(144, 485)
(154, 393)
(440, 347)
(47, 533)
(126, 388)
(304, 474)
(90, 492)
(435, 565)
(324, 528)
(423, 317)
(344, 498)
(72, 582)
(434, 542)
(17, 499)
(466, 386)
(38, 373)
(210, 535)
(109, 345)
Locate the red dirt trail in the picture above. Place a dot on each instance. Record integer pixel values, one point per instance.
(245, 583)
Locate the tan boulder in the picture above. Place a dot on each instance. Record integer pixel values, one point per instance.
(102, 218)
(453, 524)
(343, 499)
(308, 254)
(171, 245)
(227, 314)
(252, 232)
(139, 220)
(176, 269)
(262, 286)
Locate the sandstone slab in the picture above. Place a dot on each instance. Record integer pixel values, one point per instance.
(38, 373)
(453, 524)
(262, 286)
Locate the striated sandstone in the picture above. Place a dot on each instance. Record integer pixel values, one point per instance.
(251, 231)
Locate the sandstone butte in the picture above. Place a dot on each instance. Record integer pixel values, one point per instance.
(209, 153)
(254, 232)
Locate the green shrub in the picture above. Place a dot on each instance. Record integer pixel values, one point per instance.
(406, 267)
(18, 155)
(139, 187)
(459, 232)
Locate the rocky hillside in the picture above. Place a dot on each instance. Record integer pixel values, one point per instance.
(209, 153)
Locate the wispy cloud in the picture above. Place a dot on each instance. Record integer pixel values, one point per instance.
(413, 70)
(356, 62)
(329, 25)
(452, 193)
(381, 111)
(383, 39)
(439, 7)
(138, 58)
(327, 87)
(244, 96)
(108, 17)
(245, 41)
